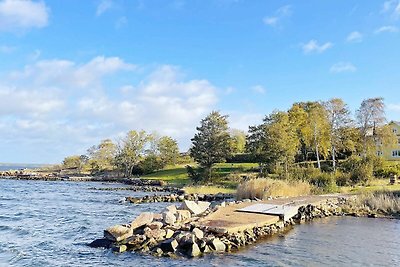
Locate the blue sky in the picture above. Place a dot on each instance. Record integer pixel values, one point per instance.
(75, 72)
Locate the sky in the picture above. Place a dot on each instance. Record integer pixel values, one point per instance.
(73, 73)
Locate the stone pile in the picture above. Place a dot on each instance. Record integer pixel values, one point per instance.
(176, 231)
(142, 188)
(179, 198)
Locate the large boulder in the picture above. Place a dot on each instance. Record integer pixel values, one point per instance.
(118, 232)
(169, 218)
(182, 215)
(203, 205)
(169, 245)
(171, 208)
(194, 250)
(169, 233)
(100, 243)
(157, 234)
(142, 219)
(155, 225)
(217, 245)
(190, 206)
(198, 233)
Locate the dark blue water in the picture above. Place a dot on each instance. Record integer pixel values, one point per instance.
(50, 223)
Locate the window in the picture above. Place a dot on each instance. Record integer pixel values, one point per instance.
(379, 153)
(394, 130)
(398, 141)
(396, 153)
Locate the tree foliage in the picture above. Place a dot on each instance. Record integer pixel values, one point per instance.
(211, 143)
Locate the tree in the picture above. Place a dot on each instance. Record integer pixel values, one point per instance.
(315, 130)
(102, 156)
(274, 141)
(211, 143)
(131, 150)
(339, 121)
(73, 162)
(370, 117)
(168, 149)
(238, 141)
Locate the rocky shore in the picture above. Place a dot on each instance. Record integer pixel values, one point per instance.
(178, 231)
(180, 197)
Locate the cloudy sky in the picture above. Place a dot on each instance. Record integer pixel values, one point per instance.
(75, 72)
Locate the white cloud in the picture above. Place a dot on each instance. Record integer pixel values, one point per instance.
(392, 29)
(280, 14)
(392, 7)
(343, 67)
(313, 46)
(259, 89)
(18, 15)
(42, 106)
(64, 72)
(103, 6)
(354, 37)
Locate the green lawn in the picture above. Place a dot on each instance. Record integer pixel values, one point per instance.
(177, 175)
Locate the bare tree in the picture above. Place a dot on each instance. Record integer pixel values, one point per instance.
(370, 116)
(339, 120)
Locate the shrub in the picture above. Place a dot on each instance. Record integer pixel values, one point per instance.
(387, 171)
(261, 188)
(342, 179)
(360, 169)
(324, 182)
(195, 174)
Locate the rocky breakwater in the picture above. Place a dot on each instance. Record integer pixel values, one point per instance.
(179, 197)
(178, 232)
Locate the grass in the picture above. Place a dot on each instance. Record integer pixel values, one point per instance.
(373, 185)
(383, 202)
(262, 188)
(208, 190)
(177, 175)
(174, 175)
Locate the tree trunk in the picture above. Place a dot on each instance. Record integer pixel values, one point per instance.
(333, 158)
(317, 154)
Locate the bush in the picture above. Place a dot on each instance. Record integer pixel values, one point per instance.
(241, 158)
(342, 179)
(196, 174)
(360, 169)
(324, 182)
(261, 188)
(387, 171)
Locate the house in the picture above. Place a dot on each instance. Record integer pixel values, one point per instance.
(391, 152)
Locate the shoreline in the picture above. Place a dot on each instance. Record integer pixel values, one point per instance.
(188, 231)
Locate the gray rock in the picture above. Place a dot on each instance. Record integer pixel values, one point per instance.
(142, 219)
(194, 250)
(182, 215)
(191, 206)
(136, 240)
(171, 208)
(120, 248)
(169, 233)
(169, 245)
(100, 243)
(155, 225)
(118, 232)
(157, 234)
(198, 233)
(169, 218)
(217, 245)
(203, 205)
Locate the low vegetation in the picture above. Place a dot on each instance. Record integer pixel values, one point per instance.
(381, 202)
(265, 187)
